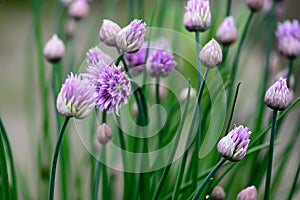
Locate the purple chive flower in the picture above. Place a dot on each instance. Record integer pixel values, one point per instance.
(211, 54)
(131, 38)
(227, 32)
(136, 60)
(288, 38)
(160, 63)
(248, 193)
(108, 32)
(234, 145)
(54, 50)
(79, 9)
(278, 96)
(112, 87)
(95, 57)
(197, 16)
(76, 97)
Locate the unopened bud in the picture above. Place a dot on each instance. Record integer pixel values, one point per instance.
(103, 134)
(217, 193)
(227, 32)
(249, 193)
(79, 9)
(108, 32)
(54, 50)
(211, 54)
(255, 5)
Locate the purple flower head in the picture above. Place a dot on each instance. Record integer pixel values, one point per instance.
(288, 38)
(79, 9)
(211, 54)
(248, 193)
(227, 32)
(131, 38)
(278, 96)
(76, 97)
(234, 145)
(197, 16)
(112, 89)
(95, 57)
(136, 60)
(108, 32)
(217, 193)
(160, 63)
(54, 50)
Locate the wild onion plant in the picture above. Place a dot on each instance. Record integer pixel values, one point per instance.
(156, 102)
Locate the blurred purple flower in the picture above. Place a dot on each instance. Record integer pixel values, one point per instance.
(234, 145)
(79, 9)
(131, 38)
(76, 97)
(54, 49)
(227, 32)
(136, 60)
(288, 38)
(95, 57)
(160, 63)
(197, 16)
(248, 193)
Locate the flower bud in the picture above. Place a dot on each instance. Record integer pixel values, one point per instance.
(234, 145)
(70, 28)
(227, 32)
(79, 9)
(288, 38)
(255, 5)
(103, 134)
(54, 49)
(135, 109)
(217, 193)
(211, 54)
(108, 32)
(184, 93)
(76, 97)
(197, 16)
(131, 38)
(278, 96)
(284, 74)
(249, 193)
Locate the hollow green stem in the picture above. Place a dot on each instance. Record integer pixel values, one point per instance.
(290, 72)
(213, 171)
(184, 158)
(55, 157)
(105, 182)
(294, 185)
(228, 8)
(167, 169)
(270, 158)
(237, 56)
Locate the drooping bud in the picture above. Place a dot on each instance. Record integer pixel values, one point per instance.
(255, 5)
(234, 145)
(54, 50)
(248, 193)
(103, 134)
(288, 38)
(108, 32)
(211, 54)
(278, 96)
(131, 38)
(79, 9)
(227, 32)
(197, 16)
(217, 193)
(76, 97)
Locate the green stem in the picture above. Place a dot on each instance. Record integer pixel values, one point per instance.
(3, 168)
(157, 99)
(55, 157)
(198, 135)
(167, 169)
(228, 8)
(184, 158)
(237, 56)
(270, 159)
(232, 107)
(105, 182)
(290, 72)
(293, 188)
(213, 171)
(131, 10)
